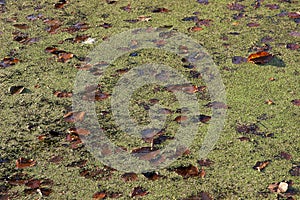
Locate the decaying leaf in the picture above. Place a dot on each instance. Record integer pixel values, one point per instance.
(24, 162)
(260, 165)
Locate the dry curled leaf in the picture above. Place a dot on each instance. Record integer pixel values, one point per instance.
(260, 165)
(261, 57)
(24, 162)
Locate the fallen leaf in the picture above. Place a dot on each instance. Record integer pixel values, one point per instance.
(235, 6)
(79, 131)
(127, 8)
(138, 192)
(292, 46)
(204, 22)
(253, 24)
(80, 163)
(56, 159)
(99, 195)
(153, 176)
(260, 165)
(204, 118)
(187, 171)
(238, 59)
(180, 118)
(294, 15)
(74, 116)
(205, 162)
(64, 57)
(21, 26)
(260, 57)
(8, 61)
(62, 94)
(24, 162)
(145, 153)
(272, 6)
(200, 196)
(129, 177)
(295, 171)
(285, 155)
(217, 105)
(33, 184)
(202, 173)
(296, 102)
(160, 10)
(106, 25)
(18, 90)
(244, 138)
(195, 29)
(280, 187)
(60, 4)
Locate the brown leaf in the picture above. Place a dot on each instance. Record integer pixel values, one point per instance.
(153, 176)
(295, 171)
(80, 26)
(64, 57)
(260, 165)
(145, 153)
(202, 173)
(33, 184)
(180, 118)
(63, 94)
(138, 192)
(60, 4)
(235, 6)
(195, 29)
(272, 6)
(8, 61)
(18, 89)
(285, 155)
(217, 105)
(80, 163)
(56, 159)
(127, 8)
(21, 26)
(294, 15)
(24, 162)
(187, 171)
(261, 57)
(292, 46)
(201, 196)
(296, 102)
(244, 138)
(204, 118)
(129, 177)
(72, 117)
(205, 162)
(253, 24)
(160, 10)
(99, 195)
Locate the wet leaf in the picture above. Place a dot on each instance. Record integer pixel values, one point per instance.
(260, 165)
(139, 192)
(8, 61)
(296, 102)
(187, 171)
(129, 177)
(74, 116)
(260, 57)
(24, 163)
(62, 94)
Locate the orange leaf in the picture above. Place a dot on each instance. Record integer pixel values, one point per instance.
(261, 57)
